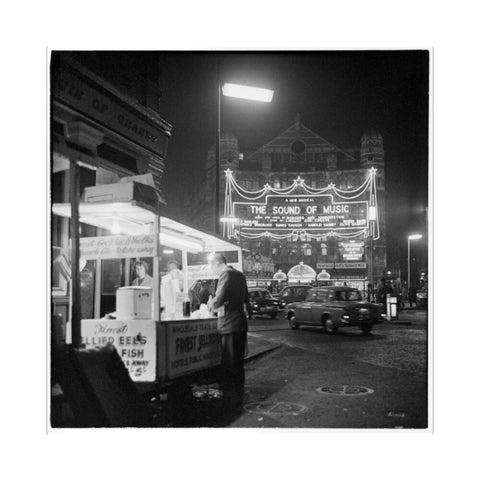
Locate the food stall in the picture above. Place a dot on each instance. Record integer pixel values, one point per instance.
(157, 340)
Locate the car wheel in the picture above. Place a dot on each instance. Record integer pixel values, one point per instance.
(329, 326)
(291, 321)
(366, 328)
(273, 315)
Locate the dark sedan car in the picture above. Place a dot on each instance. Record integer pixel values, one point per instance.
(333, 308)
(263, 303)
(293, 293)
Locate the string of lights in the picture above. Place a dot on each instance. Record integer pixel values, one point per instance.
(232, 187)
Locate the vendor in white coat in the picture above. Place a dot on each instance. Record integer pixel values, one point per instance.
(171, 285)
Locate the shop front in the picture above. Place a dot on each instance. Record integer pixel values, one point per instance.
(123, 273)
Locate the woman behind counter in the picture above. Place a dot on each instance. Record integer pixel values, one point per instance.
(142, 278)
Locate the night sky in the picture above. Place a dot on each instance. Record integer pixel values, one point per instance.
(337, 94)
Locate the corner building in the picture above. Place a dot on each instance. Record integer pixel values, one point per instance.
(299, 151)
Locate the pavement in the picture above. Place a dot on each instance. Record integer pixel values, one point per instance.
(307, 379)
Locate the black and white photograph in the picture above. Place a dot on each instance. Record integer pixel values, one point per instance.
(239, 240)
(244, 236)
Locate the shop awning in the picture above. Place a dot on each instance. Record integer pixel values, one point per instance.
(132, 218)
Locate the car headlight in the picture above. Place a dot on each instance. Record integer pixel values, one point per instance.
(254, 305)
(346, 317)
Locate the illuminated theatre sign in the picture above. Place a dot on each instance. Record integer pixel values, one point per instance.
(298, 209)
(287, 212)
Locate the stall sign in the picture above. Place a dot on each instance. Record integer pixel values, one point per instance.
(134, 340)
(341, 265)
(306, 212)
(191, 346)
(118, 246)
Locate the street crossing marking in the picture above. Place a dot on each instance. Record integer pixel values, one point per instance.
(277, 408)
(345, 390)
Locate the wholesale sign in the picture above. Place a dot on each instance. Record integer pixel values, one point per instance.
(306, 212)
(192, 346)
(134, 340)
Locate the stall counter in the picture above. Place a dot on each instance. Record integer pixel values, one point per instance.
(158, 351)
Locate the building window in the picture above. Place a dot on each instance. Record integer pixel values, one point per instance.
(323, 249)
(298, 147)
(285, 183)
(276, 183)
(307, 250)
(275, 250)
(292, 251)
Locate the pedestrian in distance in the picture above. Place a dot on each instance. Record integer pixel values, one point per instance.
(412, 296)
(230, 302)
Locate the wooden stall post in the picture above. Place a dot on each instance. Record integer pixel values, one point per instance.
(75, 256)
(156, 271)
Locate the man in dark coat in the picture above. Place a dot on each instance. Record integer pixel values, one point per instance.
(230, 302)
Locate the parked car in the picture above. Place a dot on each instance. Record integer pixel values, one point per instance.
(422, 298)
(293, 293)
(333, 308)
(262, 302)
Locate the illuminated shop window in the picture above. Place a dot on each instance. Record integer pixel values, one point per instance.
(306, 249)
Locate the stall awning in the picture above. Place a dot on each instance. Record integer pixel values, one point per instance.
(132, 218)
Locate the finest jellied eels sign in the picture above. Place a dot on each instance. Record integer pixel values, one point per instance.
(134, 340)
(287, 212)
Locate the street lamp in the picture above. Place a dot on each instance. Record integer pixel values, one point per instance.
(415, 236)
(372, 217)
(237, 91)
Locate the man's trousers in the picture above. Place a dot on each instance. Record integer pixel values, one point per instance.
(233, 353)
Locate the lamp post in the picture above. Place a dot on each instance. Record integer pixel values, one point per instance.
(372, 216)
(415, 236)
(237, 91)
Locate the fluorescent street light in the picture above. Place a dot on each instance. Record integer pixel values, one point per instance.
(180, 241)
(229, 220)
(247, 93)
(416, 236)
(372, 212)
(167, 252)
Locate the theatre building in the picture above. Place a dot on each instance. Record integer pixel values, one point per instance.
(300, 199)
